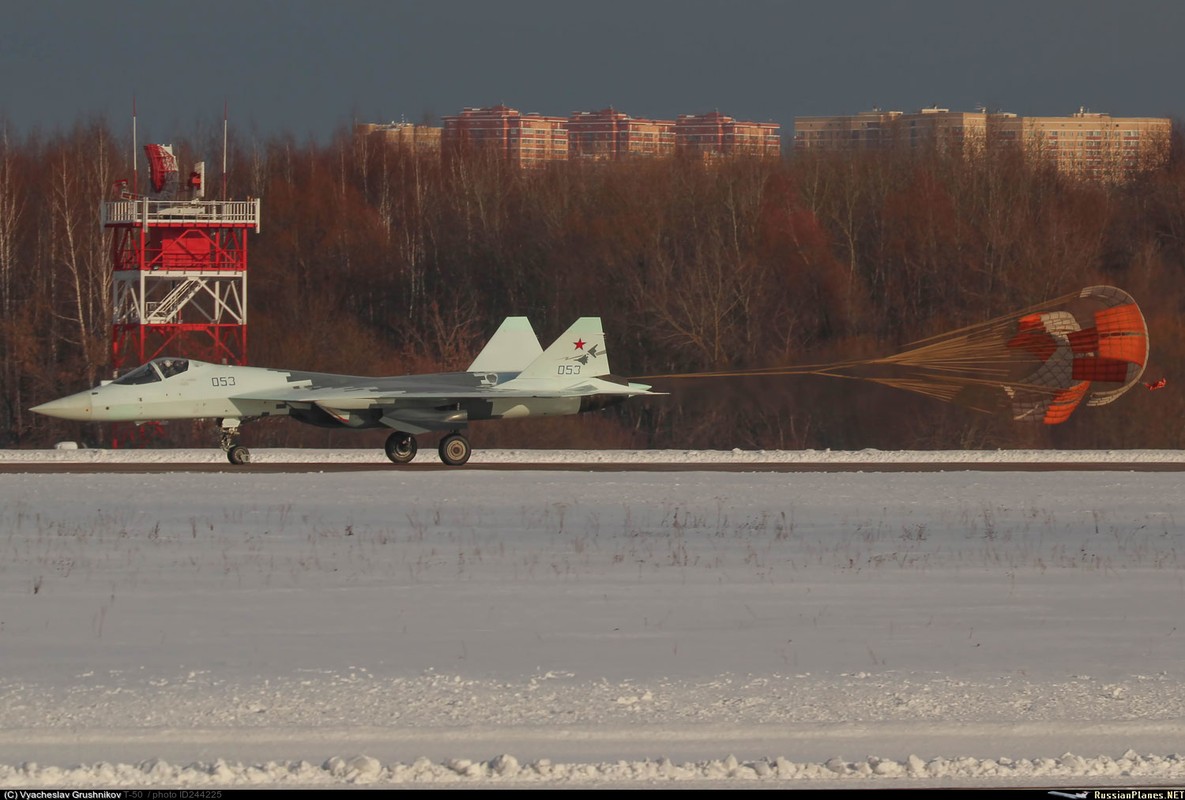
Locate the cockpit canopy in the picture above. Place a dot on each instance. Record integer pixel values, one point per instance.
(155, 370)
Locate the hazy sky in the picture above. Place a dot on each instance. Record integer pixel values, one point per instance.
(311, 68)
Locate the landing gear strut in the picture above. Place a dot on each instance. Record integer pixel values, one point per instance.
(401, 447)
(455, 449)
(229, 439)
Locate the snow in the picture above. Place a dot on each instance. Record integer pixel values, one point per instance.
(579, 628)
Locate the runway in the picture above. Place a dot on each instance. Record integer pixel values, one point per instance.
(304, 467)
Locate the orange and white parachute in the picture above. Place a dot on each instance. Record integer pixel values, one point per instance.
(1036, 365)
(1092, 351)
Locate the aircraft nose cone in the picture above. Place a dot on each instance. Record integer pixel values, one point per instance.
(76, 406)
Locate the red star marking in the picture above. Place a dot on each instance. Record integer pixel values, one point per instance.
(579, 344)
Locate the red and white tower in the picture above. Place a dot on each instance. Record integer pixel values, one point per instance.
(180, 268)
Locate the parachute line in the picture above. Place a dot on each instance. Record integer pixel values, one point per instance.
(1038, 364)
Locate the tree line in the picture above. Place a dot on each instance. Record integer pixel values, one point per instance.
(375, 260)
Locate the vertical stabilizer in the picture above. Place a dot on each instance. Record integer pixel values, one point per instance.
(513, 346)
(578, 353)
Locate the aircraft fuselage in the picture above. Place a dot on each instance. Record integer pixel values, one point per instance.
(220, 391)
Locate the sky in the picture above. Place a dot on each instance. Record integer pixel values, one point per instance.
(491, 628)
(309, 68)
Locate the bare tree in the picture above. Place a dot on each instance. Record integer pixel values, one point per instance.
(80, 173)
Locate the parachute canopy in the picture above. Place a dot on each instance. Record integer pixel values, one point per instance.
(1036, 365)
(1091, 351)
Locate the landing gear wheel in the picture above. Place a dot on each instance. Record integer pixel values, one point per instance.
(238, 454)
(455, 450)
(401, 447)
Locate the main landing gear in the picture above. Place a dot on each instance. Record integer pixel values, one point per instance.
(229, 439)
(401, 447)
(454, 449)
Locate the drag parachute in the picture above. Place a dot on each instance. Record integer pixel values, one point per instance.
(1036, 365)
(1092, 351)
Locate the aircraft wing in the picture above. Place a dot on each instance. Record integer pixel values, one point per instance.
(369, 397)
(419, 410)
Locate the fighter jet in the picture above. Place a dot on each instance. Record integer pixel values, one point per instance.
(512, 377)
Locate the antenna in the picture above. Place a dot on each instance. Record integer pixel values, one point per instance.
(135, 172)
(197, 180)
(224, 107)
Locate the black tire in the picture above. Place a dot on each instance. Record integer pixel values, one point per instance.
(238, 455)
(401, 447)
(455, 450)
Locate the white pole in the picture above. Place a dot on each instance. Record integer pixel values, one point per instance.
(135, 173)
(224, 150)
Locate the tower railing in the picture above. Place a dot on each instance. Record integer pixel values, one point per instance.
(148, 212)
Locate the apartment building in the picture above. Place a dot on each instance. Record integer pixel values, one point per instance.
(416, 138)
(715, 135)
(867, 130)
(880, 130)
(1084, 144)
(532, 140)
(525, 140)
(610, 135)
(1096, 145)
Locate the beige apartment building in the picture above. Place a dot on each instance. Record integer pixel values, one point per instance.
(1098, 145)
(1084, 144)
(877, 129)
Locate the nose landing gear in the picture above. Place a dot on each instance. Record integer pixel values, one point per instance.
(229, 439)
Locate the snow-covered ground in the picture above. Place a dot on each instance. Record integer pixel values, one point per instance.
(572, 628)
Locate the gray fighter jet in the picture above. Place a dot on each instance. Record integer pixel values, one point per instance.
(511, 377)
